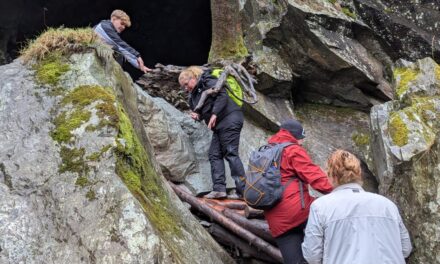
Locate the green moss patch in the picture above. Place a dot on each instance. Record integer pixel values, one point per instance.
(230, 49)
(137, 172)
(91, 195)
(65, 123)
(398, 130)
(361, 139)
(73, 160)
(49, 70)
(79, 99)
(404, 76)
(96, 156)
(348, 12)
(82, 181)
(87, 94)
(437, 72)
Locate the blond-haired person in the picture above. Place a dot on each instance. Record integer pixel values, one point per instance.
(109, 30)
(350, 225)
(224, 118)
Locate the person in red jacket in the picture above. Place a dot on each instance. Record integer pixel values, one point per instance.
(288, 218)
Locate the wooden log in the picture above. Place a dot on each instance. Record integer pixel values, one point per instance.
(221, 208)
(231, 204)
(226, 238)
(229, 224)
(258, 227)
(250, 212)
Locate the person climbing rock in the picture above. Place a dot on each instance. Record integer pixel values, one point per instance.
(109, 30)
(288, 218)
(351, 225)
(225, 119)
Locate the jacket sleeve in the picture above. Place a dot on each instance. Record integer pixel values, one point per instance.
(313, 244)
(405, 239)
(309, 172)
(110, 35)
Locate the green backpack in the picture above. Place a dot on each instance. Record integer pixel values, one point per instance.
(234, 89)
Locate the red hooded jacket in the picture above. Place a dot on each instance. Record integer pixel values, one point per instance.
(295, 161)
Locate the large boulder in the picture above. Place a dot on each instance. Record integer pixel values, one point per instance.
(408, 29)
(329, 128)
(315, 47)
(181, 144)
(78, 179)
(406, 153)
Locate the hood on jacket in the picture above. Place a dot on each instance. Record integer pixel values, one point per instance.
(206, 81)
(282, 136)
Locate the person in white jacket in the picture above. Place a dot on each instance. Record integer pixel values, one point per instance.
(350, 225)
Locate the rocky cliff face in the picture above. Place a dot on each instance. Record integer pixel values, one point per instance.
(78, 179)
(405, 147)
(336, 52)
(84, 150)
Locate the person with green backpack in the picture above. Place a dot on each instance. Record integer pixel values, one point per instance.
(224, 117)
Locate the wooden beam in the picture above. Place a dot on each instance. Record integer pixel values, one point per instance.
(229, 224)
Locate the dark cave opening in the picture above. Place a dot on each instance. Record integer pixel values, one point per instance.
(165, 31)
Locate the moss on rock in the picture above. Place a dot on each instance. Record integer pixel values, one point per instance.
(82, 181)
(49, 70)
(398, 130)
(96, 156)
(361, 139)
(437, 72)
(79, 99)
(85, 95)
(348, 12)
(136, 170)
(65, 123)
(233, 49)
(91, 195)
(73, 161)
(404, 76)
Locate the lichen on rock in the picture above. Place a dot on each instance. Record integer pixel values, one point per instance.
(404, 77)
(398, 130)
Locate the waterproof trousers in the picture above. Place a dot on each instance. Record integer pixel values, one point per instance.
(289, 244)
(224, 145)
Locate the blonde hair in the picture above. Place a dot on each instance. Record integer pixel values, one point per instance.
(122, 16)
(191, 72)
(344, 167)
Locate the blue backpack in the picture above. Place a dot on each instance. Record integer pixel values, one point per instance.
(262, 185)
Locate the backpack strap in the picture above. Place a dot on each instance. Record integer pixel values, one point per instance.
(300, 182)
(301, 191)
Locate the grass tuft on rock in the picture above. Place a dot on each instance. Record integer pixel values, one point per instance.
(62, 40)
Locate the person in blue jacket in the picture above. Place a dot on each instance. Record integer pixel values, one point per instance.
(109, 30)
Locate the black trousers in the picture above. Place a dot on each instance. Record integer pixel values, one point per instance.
(289, 244)
(224, 145)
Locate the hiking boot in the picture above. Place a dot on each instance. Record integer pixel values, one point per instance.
(216, 195)
(235, 196)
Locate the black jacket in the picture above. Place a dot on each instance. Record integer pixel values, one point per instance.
(219, 104)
